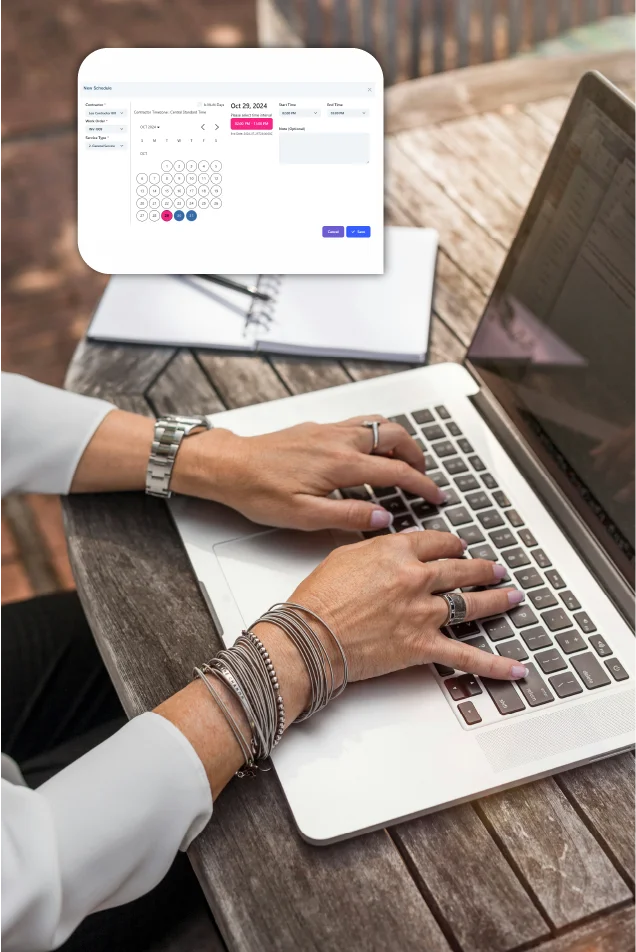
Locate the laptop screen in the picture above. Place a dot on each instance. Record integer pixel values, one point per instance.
(556, 342)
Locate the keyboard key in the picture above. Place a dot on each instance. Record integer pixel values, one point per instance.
(570, 641)
(464, 446)
(522, 616)
(424, 509)
(536, 638)
(514, 518)
(464, 628)
(469, 712)
(423, 416)
(476, 463)
(570, 601)
(410, 496)
(459, 516)
(527, 538)
(479, 642)
(381, 491)
(600, 646)
(482, 552)
(437, 524)
(565, 685)
(453, 429)
(554, 578)
(478, 500)
(443, 670)
(445, 448)
(490, 519)
(452, 499)
(455, 466)
(502, 539)
(405, 422)
(542, 598)
(534, 688)
(497, 628)
(439, 478)
(584, 622)
(616, 669)
(489, 481)
(356, 492)
(430, 462)
(550, 661)
(466, 483)
(501, 499)
(590, 671)
(528, 578)
(541, 559)
(462, 687)
(503, 693)
(515, 558)
(471, 534)
(514, 650)
(556, 619)
(394, 504)
(405, 521)
(442, 413)
(434, 432)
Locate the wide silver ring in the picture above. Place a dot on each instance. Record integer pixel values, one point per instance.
(456, 605)
(374, 426)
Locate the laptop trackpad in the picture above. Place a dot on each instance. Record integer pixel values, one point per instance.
(266, 568)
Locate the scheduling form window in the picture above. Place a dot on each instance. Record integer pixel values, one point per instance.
(230, 161)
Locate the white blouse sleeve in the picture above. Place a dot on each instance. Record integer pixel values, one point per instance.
(44, 433)
(100, 833)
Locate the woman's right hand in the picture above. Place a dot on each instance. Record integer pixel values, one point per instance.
(379, 597)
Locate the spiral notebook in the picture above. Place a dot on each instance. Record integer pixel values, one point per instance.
(383, 317)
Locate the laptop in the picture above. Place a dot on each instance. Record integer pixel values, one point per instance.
(533, 440)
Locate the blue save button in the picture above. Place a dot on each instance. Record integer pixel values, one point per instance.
(358, 231)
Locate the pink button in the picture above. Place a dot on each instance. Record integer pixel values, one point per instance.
(166, 214)
(251, 123)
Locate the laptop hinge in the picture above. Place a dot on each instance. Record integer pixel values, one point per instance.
(560, 508)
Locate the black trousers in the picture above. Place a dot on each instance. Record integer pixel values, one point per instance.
(57, 703)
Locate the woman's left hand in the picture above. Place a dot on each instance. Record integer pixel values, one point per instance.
(286, 478)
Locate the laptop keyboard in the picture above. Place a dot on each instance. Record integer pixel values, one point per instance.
(551, 633)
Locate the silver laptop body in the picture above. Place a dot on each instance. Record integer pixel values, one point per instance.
(544, 408)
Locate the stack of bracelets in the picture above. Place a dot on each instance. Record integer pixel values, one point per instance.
(246, 669)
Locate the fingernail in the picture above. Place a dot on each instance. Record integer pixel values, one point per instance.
(499, 571)
(518, 671)
(442, 497)
(381, 518)
(413, 529)
(515, 597)
(464, 544)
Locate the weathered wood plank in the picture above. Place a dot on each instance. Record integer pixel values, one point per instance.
(182, 388)
(612, 933)
(99, 368)
(468, 245)
(241, 380)
(548, 113)
(469, 882)
(526, 137)
(604, 793)
(557, 856)
(471, 190)
(444, 345)
(434, 99)
(366, 369)
(303, 377)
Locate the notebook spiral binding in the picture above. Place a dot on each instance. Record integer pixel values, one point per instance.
(263, 313)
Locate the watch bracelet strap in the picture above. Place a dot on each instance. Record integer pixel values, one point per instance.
(169, 433)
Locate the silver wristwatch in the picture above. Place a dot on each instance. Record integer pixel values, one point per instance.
(169, 431)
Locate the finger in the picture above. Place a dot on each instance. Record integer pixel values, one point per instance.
(322, 512)
(459, 573)
(472, 660)
(481, 604)
(381, 471)
(395, 441)
(427, 544)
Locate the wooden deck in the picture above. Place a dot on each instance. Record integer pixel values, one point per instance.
(48, 293)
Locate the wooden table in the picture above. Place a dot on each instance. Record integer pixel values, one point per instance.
(549, 864)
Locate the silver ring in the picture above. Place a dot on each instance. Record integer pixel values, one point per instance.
(456, 609)
(374, 426)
